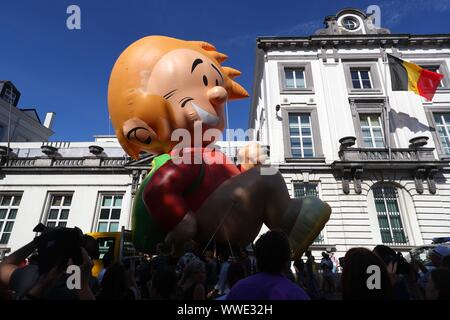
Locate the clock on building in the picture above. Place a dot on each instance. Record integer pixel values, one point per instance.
(350, 23)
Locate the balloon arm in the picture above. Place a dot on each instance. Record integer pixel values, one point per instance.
(164, 195)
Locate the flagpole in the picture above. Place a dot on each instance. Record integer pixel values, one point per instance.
(387, 108)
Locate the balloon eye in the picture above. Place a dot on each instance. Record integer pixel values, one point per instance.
(217, 82)
(205, 81)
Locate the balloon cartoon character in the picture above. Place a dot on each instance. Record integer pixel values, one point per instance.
(160, 85)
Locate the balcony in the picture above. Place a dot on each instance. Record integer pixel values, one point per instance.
(418, 159)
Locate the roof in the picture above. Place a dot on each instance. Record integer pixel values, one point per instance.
(32, 113)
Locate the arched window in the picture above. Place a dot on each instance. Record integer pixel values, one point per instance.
(389, 216)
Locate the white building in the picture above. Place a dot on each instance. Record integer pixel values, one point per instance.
(309, 92)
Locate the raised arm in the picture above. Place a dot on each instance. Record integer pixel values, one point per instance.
(12, 262)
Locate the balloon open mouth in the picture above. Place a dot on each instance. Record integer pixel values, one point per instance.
(205, 116)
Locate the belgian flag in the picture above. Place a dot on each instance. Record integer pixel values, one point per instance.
(407, 76)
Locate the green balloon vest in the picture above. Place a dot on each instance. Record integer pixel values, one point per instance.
(146, 232)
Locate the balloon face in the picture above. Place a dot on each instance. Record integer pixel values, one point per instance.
(194, 87)
(161, 84)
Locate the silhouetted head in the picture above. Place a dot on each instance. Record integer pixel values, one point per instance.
(356, 273)
(273, 252)
(91, 246)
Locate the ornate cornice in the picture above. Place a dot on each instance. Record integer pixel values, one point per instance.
(334, 41)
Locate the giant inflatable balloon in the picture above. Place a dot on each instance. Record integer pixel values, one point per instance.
(165, 97)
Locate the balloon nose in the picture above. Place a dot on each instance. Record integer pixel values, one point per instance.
(217, 95)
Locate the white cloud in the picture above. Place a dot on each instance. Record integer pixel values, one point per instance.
(394, 12)
(300, 29)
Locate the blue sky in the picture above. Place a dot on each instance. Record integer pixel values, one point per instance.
(67, 71)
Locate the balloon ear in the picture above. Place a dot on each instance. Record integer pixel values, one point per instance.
(129, 148)
(136, 133)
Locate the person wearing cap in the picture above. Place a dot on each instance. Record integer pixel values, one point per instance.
(438, 254)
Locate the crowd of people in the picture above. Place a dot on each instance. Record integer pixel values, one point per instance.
(264, 271)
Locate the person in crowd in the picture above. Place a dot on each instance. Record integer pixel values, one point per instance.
(273, 256)
(246, 261)
(221, 286)
(252, 258)
(46, 277)
(355, 277)
(186, 258)
(326, 265)
(162, 260)
(107, 261)
(53, 284)
(192, 283)
(299, 266)
(144, 275)
(310, 276)
(91, 246)
(211, 270)
(438, 254)
(117, 284)
(402, 274)
(335, 261)
(438, 286)
(236, 272)
(130, 275)
(164, 284)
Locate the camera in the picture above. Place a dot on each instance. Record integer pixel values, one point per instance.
(57, 245)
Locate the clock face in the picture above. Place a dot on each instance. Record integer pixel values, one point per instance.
(350, 23)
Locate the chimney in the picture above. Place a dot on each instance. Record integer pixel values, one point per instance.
(49, 119)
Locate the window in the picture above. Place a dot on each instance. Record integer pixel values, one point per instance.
(294, 78)
(301, 136)
(58, 211)
(372, 130)
(361, 78)
(442, 121)
(9, 204)
(388, 213)
(305, 189)
(9, 95)
(110, 208)
(308, 189)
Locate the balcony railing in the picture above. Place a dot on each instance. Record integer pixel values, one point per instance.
(416, 152)
(382, 154)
